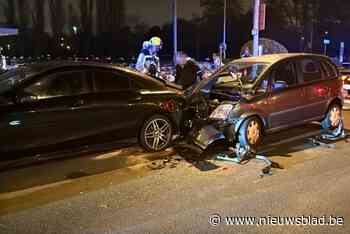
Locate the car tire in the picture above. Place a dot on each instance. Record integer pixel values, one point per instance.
(156, 133)
(333, 117)
(250, 133)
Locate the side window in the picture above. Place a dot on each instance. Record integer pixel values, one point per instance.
(329, 70)
(285, 76)
(311, 70)
(263, 86)
(58, 84)
(108, 81)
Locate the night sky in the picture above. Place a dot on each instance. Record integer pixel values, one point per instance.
(158, 12)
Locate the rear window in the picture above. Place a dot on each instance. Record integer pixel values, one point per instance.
(311, 70)
(330, 71)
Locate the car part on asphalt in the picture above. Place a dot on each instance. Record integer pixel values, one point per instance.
(329, 134)
(245, 153)
(318, 142)
(335, 134)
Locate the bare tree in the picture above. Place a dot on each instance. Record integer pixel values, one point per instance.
(9, 11)
(23, 18)
(110, 15)
(38, 16)
(87, 7)
(57, 13)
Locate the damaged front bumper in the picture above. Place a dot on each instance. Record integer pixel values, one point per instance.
(213, 132)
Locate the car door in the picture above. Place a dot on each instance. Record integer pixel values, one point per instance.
(48, 110)
(317, 87)
(113, 103)
(285, 96)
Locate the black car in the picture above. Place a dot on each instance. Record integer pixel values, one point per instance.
(46, 106)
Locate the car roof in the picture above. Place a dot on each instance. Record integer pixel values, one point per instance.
(30, 70)
(47, 66)
(273, 58)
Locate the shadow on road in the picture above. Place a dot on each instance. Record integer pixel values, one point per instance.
(277, 147)
(63, 169)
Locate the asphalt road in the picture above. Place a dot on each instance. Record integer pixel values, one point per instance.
(128, 191)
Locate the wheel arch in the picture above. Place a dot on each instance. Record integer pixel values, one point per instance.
(152, 113)
(247, 116)
(337, 101)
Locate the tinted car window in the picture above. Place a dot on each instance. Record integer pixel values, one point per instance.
(285, 76)
(107, 81)
(59, 84)
(329, 70)
(311, 70)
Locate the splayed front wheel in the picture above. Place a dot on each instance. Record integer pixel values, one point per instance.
(250, 133)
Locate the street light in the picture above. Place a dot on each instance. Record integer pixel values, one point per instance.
(326, 42)
(175, 29)
(255, 31)
(224, 32)
(75, 29)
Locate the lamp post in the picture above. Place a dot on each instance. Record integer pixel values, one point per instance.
(175, 29)
(326, 42)
(255, 31)
(224, 36)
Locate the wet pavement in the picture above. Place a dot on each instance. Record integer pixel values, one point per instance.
(129, 191)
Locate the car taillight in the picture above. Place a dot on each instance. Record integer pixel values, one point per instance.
(168, 106)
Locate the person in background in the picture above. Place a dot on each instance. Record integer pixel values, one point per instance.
(154, 61)
(187, 70)
(141, 60)
(217, 63)
(246, 53)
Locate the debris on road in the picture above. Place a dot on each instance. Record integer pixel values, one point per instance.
(243, 154)
(329, 135)
(104, 206)
(317, 141)
(169, 162)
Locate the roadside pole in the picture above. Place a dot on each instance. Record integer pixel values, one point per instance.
(175, 29)
(341, 55)
(255, 31)
(224, 40)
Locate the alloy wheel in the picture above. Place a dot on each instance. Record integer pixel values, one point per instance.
(157, 134)
(253, 132)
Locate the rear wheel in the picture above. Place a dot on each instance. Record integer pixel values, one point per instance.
(250, 133)
(333, 117)
(156, 133)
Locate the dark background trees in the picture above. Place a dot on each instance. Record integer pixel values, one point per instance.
(100, 27)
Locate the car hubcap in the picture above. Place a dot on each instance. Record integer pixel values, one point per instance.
(335, 116)
(253, 132)
(158, 134)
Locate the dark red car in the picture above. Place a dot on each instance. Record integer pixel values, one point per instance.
(251, 97)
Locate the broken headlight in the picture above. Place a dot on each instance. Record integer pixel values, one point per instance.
(222, 112)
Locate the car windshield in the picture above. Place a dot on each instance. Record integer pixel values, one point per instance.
(235, 74)
(243, 73)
